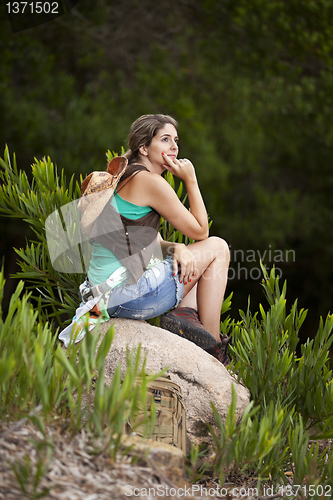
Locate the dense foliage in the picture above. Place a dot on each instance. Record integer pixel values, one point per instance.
(291, 409)
(276, 441)
(33, 201)
(250, 83)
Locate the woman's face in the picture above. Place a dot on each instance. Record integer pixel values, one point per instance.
(165, 141)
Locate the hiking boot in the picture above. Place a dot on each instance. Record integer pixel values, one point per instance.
(184, 321)
(220, 350)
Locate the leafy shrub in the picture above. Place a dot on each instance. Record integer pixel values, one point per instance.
(291, 409)
(265, 350)
(34, 201)
(40, 381)
(36, 374)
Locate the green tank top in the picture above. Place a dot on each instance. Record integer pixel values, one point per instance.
(103, 261)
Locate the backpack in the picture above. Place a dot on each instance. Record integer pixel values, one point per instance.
(170, 421)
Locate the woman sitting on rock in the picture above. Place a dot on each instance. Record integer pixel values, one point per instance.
(188, 281)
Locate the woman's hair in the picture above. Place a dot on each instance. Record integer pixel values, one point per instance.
(143, 130)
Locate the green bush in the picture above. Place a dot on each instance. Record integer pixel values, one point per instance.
(43, 383)
(277, 439)
(34, 200)
(291, 409)
(38, 375)
(265, 351)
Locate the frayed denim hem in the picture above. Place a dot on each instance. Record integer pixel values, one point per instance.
(179, 285)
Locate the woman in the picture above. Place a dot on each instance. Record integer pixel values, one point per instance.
(190, 280)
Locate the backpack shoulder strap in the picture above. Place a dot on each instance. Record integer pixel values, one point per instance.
(130, 172)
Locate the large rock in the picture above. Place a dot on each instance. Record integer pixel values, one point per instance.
(202, 378)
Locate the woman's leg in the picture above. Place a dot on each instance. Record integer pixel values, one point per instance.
(212, 263)
(190, 300)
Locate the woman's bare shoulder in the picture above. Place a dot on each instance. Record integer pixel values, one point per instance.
(146, 189)
(149, 180)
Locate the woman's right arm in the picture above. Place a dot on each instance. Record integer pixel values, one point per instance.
(158, 194)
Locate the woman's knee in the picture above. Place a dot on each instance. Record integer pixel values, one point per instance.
(211, 249)
(220, 247)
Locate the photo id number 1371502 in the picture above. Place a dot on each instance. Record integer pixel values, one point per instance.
(32, 7)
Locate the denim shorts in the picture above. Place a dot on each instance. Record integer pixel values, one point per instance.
(157, 291)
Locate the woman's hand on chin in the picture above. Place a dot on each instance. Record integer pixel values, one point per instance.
(182, 168)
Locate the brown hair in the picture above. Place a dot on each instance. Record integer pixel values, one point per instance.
(143, 130)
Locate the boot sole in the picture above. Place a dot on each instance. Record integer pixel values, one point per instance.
(224, 359)
(199, 337)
